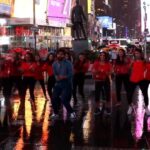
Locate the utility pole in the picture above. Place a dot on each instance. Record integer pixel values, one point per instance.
(145, 30)
(34, 24)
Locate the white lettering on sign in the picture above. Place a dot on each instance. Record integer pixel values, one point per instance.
(55, 3)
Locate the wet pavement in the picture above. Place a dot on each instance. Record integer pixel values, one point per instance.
(39, 132)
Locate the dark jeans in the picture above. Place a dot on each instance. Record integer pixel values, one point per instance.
(27, 82)
(102, 87)
(62, 93)
(78, 81)
(50, 85)
(144, 88)
(122, 80)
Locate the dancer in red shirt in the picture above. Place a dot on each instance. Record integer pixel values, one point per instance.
(6, 82)
(147, 74)
(80, 68)
(28, 68)
(39, 75)
(137, 78)
(121, 70)
(102, 76)
(49, 70)
(147, 78)
(17, 75)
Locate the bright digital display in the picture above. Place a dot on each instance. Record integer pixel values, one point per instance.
(105, 21)
(59, 11)
(6, 6)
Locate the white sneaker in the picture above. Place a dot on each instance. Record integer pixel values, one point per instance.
(100, 107)
(54, 116)
(130, 109)
(147, 111)
(73, 115)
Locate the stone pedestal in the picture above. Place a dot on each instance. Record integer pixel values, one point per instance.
(79, 46)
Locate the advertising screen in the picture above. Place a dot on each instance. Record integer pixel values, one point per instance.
(145, 12)
(23, 9)
(6, 7)
(105, 21)
(59, 11)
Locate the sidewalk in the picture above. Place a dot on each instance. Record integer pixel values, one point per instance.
(115, 131)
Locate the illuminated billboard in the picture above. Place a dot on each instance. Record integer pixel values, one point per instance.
(23, 9)
(90, 6)
(145, 21)
(6, 7)
(105, 21)
(59, 11)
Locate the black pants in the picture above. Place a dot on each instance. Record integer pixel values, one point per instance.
(122, 80)
(78, 82)
(100, 87)
(144, 88)
(41, 81)
(6, 84)
(50, 85)
(17, 83)
(28, 82)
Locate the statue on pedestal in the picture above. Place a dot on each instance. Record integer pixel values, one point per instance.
(77, 18)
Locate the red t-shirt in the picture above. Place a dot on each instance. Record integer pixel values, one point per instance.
(28, 69)
(81, 67)
(101, 71)
(39, 74)
(16, 68)
(48, 68)
(6, 69)
(122, 68)
(147, 75)
(138, 69)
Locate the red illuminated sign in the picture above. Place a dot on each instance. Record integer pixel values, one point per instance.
(22, 31)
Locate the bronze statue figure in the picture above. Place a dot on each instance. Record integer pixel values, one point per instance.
(77, 18)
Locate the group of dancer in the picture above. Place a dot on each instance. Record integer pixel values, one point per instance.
(128, 71)
(66, 75)
(22, 72)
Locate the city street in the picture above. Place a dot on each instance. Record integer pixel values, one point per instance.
(39, 132)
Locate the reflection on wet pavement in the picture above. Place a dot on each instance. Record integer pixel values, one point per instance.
(38, 132)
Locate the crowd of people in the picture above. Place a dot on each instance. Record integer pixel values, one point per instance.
(66, 76)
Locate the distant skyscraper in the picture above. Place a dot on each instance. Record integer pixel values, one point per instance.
(127, 15)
